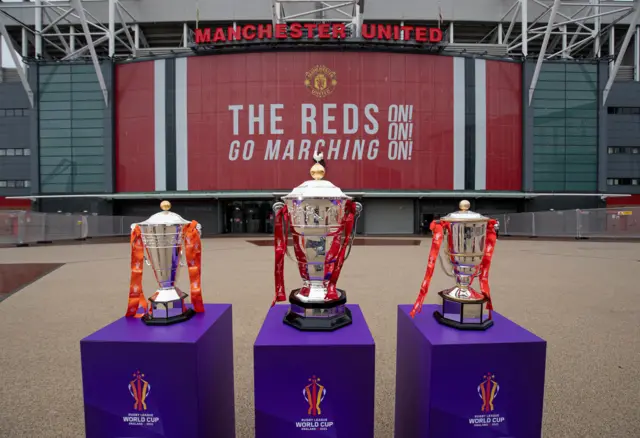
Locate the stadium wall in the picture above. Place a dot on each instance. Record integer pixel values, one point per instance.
(384, 122)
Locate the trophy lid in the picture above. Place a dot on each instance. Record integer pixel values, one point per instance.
(165, 217)
(464, 214)
(317, 187)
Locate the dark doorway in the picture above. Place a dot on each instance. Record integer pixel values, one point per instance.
(248, 217)
(425, 222)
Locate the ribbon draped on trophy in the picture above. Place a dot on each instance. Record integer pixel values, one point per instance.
(470, 242)
(321, 220)
(159, 242)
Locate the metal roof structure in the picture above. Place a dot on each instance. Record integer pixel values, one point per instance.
(67, 30)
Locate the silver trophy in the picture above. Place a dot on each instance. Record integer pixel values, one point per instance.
(163, 240)
(465, 248)
(322, 222)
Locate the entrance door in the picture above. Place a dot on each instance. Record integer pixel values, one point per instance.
(234, 218)
(250, 217)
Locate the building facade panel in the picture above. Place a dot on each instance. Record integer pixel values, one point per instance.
(623, 138)
(75, 131)
(15, 142)
(565, 128)
(383, 121)
(135, 99)
(504, 126)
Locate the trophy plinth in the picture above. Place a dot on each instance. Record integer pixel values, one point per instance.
(318, 316)
(463, 314)
(321, 220)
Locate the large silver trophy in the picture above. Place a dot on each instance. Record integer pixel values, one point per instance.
(160, 241)
(322, 222)
(469, 240)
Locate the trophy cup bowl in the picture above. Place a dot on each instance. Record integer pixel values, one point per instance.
(162, 238)
(316, 211)
(465, 245)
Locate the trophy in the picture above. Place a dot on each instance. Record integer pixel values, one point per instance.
(322, 222)
(159, 242)
(470, 242)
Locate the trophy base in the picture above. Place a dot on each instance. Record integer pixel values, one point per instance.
(168, 312)
(185, 316)
(324, 316)
(463, 314)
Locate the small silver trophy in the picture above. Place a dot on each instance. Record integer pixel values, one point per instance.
(163, 237)
(322, 223)
(469, 242)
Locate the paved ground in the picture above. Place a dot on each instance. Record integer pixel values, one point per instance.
(580, 296)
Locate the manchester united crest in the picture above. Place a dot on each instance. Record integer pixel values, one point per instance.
(321, 81)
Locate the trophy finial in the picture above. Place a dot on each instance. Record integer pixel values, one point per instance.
(317, 170)
(464, 205)
(165, 205)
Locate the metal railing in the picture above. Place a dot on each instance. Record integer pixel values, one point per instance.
(24, 227)
(619, 222)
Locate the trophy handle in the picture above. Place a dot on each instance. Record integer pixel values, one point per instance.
(355, 226)
(447, 270)
(276, 208)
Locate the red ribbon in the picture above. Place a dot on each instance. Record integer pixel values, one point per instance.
(438, 234)
(347, 225)
(193, 247)
(490, 246)
(301, 258)
(136, 295)
(281, 228)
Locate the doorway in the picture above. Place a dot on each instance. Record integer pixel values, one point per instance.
(248, 217)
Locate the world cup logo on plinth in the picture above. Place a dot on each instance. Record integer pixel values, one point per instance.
(321, 220)
(159, 241)
(469, 244)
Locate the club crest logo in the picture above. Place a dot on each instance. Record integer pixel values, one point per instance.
(139, 390)
(488, 391)
(314, 394)
(321, 81)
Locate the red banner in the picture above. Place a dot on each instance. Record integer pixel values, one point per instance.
(383, 121)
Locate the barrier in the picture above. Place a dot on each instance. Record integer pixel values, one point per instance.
(619, 222)
(24, 227)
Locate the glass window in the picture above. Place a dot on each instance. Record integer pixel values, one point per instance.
(634, 182)
(11, 184)
(27, 183)
(609, 181)
(2, 113)
(25, 112)
(9, 112)
(635, 150)
(27, 152)
(3, 184)
(3, 152)
(20, 184)
(19, 152)
(11, 152)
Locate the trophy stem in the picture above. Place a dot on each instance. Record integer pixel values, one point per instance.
(463, 283)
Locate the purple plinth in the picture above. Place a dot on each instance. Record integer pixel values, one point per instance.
(160, 381)
(442, 389)
(294, 370)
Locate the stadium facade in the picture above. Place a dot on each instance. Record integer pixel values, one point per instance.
(219, 106)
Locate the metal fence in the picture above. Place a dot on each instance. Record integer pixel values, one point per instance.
(620, 222)
(24, 227)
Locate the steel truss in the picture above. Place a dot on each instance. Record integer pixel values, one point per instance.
(65, 30)
(349, 12)
(567, 28)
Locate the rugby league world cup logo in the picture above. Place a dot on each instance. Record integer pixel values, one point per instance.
(314, 393)
(488, 391)
(139, 390)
